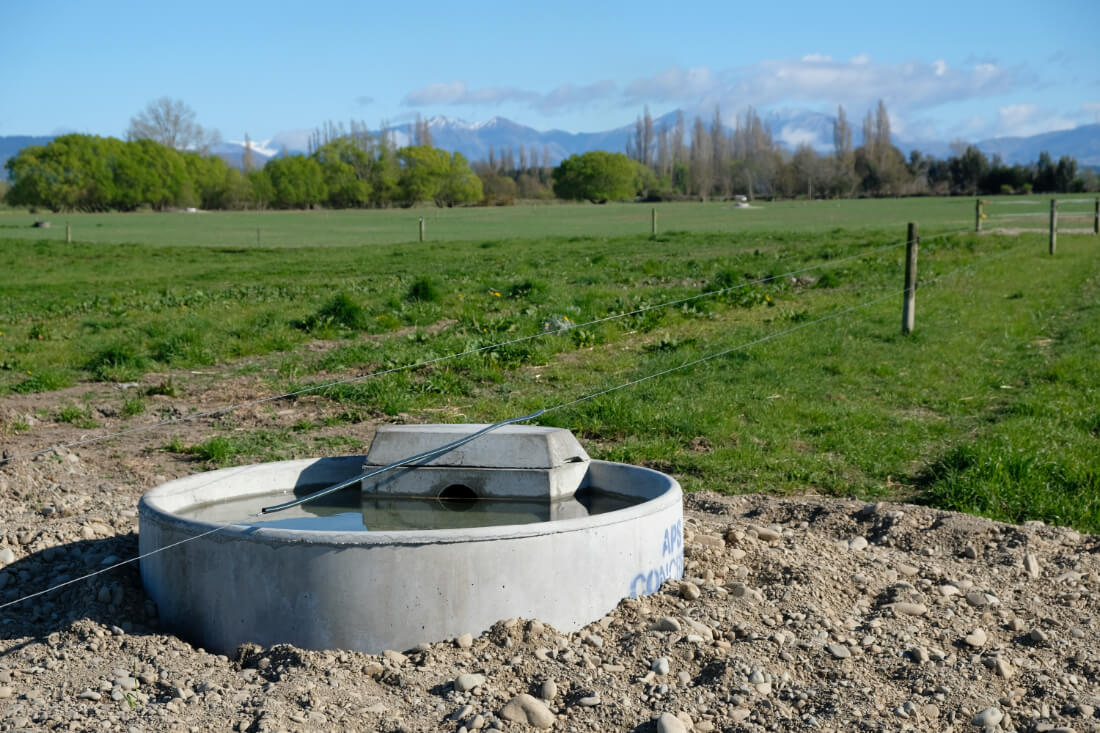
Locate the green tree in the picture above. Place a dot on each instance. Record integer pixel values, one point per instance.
(385, 174)
(149, 173)
(261, 192)
(207, 183)
(423, 172)
(460, 184)
(346, 167)
(296, 182)
(597, 176)
(72, 172)
(967, 171)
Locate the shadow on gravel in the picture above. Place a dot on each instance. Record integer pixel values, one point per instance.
(114, 598)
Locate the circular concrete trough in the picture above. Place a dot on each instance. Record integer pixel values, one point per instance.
(377, 590)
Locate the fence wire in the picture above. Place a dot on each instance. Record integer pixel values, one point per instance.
(469, 352)
(566, 404)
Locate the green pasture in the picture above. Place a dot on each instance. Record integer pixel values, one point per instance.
(992, 405)
(389, 226)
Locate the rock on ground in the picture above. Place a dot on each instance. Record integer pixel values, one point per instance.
(785, 620)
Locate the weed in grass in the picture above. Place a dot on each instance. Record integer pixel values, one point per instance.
(337, 442)
(264, 445)
(217, 449)
(166, 387)
(44, 380)
(530, 289)
(81, 417)
(132, 406)
(345, 417)
(582, 337)
(303, 426)
(17, 426)
(423, 290)
(667, 343)
(119, 362)
(339, 313)
(187, 346)
(175, 444)
(388, 322)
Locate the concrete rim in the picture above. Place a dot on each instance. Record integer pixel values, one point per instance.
(663, 491)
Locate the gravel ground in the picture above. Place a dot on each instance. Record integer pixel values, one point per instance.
(795, 613)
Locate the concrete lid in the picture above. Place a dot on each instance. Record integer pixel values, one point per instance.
(510, 446)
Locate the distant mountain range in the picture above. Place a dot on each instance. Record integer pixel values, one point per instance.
(790, 128)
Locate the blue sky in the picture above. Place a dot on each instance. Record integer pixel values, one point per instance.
(946, 70)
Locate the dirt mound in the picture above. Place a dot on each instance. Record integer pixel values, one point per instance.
(794, 613)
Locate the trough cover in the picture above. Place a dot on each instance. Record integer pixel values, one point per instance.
(511, 446)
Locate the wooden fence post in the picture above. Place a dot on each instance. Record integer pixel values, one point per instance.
(653, 226)
(1096, 217)
(68, 233)
(977, 215)
(1053, 225)
(908, 304)
(421, 229)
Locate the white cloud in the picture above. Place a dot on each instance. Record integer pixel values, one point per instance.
(1022, 120)
(560, 98)
(436, 93)
(672, 84)
(456, 92)
(1091, 110)
(816, 79)
(571, 95)
(793, 136)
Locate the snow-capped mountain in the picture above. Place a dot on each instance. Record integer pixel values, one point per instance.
(790, 129)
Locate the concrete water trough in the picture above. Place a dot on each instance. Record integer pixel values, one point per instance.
(517, 523)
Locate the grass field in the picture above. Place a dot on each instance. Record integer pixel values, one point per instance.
(991, 406)
(350, 228)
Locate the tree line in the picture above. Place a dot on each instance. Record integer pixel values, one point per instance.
(91, 173)
(706, 162)
(165, 164)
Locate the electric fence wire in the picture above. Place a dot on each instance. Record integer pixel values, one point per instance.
(564, 405)
(468, 352)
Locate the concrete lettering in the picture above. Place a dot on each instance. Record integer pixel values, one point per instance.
(671, 566)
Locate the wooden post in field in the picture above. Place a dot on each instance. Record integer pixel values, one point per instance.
(909, 302)
(653, 223)
(421, 229)
(1096, 217)
(977, 215)
(1053, 225)
(68, 233)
